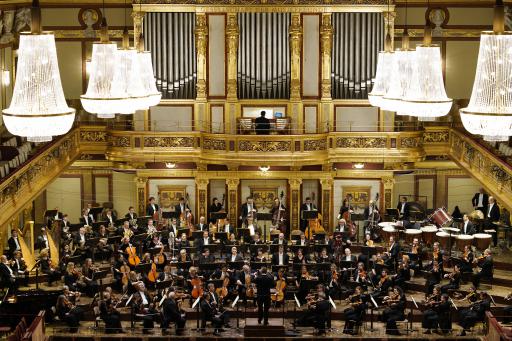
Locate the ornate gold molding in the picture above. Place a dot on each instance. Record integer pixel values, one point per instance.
(232, 36)
(201, 34)
(326, 33)
(295, 56)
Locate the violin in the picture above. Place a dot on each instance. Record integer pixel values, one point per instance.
(125, 270)
(133, 259)
(197, 287)
(280, 286)
(153, 274)
(223, 291)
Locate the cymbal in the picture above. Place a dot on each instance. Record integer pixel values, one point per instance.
(476, 214)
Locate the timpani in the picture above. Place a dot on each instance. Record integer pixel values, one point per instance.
(463, 240)
(410, 234)
(482, 240)
(428, 233)
(443, 238)
(389, 231)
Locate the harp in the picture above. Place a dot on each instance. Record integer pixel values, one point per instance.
(53, 235)
(26, 250)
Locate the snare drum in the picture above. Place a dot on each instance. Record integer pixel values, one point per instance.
(443, 239)
(441, 217)
(482, 240)
(428, 233)
(410, 234)
(463, 240)
(388, 232)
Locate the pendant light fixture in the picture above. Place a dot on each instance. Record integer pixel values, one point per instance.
(400, 77)
(489, 112)
(147, 76)
(425, 97)
(38, 107)
(383, 73)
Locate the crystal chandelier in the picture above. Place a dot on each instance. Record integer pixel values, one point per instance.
(489, 112)
(147, 76)
(401, 71)
(38, 109)
(425, 96)
(383, 74)
(106, 93)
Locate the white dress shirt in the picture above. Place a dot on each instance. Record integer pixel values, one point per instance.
(281, 259)
(480, 200)
(490, 209)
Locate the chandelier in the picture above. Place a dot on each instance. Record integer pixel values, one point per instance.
(401, 70)
(147, 76)
(106, 91)
(489, 112)
(425, 96)
(38, 109)
(383, 74)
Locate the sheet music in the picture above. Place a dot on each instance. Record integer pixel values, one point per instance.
(235, 301)
(332, 303)
(196, 302)
(414, 301)
(374, 303)
(296, 300)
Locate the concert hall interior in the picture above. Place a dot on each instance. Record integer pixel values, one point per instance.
(255, 169)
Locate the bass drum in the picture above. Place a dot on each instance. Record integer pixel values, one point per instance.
(441, 218)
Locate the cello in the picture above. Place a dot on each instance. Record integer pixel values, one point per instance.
(280, 286)
(314, 225)
(278, 220)
(197, 287)
(152, 275)
(347, 215)
(133, 259)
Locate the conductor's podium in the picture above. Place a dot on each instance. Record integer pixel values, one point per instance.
(275, 328)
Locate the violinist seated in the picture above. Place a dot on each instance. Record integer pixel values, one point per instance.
(19, 267)
(348, 257)
(210, 314)
(437, 257)
(165, 275)
(486, 265)
(171, 314)
(203, 242)
(281, 257)
(317, 314)
(182, 242)
(437, 313)
(235, 256)
(360, 275)
(280, 240)
(301, 283)
(416, 252)
(143, 306)
(109, 314)
(342, 227)
(324, 257)
(206, 258)
(466, 260)
(91, 285)
(299, 257)
(69, 313)
(260, 256)
(7, 276)
(79, 241)
(184, 257)
(392, 252)
(333, 282)
(475, 313)
(384, 283)
(72, 278)
(302, 240)
(47, 267)
(216, 301)
(355, 313)
(394, 311)
(454, 278)
(403, 273)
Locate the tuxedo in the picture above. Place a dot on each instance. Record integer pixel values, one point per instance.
(467, 228)
(480, 201)
(238, 258)
(246, 208)
(130, 215)
(14, 245)
(201, 243)
(276, 242)
(493, 212)
(179, 209)
(111, 220)
(42, 242)
(275, 258)
(230, 229)
(87, 220)
(404, 210)
(201, 227)
(305, 207)
(7, 276)
(151, 209)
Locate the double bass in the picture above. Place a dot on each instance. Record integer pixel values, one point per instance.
(347, 215)
(278, 216)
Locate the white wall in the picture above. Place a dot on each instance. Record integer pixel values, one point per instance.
(217, 189)
(338, 191)
(311, 57)
(357, 119)
(65, 193)
(216, 55)
(460, 192)
(169, 118)
(125, 192)
(310, 186)
(404, 184)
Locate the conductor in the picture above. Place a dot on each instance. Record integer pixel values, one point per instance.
(264, 282)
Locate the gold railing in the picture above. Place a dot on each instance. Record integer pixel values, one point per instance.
(19, 188)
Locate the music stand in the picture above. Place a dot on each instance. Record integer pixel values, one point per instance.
(139, 237)
(209, 267)
(222, 236)
(305, 249)
(163, 284)
(114, 240)
(368, 251)
(258, 265)
(253, 248)
(309, 215)
(143, 268)
(95, 211)
(215, 216)
(392, 212)
(100, 274)
(197, 235)
(243, 232)
(235, 265)
(92, 243)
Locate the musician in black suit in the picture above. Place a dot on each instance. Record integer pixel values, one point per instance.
(171, 313)
(316, 315)
(393, 252)
(14, 243)
(86, 218)
(19, 267)
(182, 207)
(486, 265)
(152, 207)
(131, 213)
(467, 226)
(7, 276)
(210, 313)
(247, 208)
(476, 312)
(205, 240)
(280, 240)
(42, 240)
(262, 124)
(110, 218)
(202, 226)
(264, 282)
(480, 201)
(280, 257)
(228, 228)
(235, 256)
(404, 209)
(306, 206)
(492, 215)
(216, 206)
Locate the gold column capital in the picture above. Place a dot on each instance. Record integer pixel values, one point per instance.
(141, 181)
(295, 56)
(201, 35)
(326, 183)
(295, 183)
(388, 182)
(232, 36)
(232, 183)
(202, 183)
(326, 34)
(138, 19)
